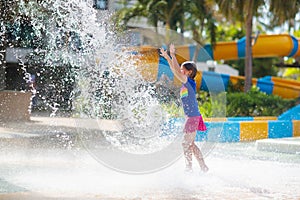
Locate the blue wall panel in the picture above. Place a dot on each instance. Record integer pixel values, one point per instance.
(230, 132)
(280, 129)
(220, 132)
(202, 135)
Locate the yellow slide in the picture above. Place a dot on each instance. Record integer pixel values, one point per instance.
(265, 46)
(280, 45)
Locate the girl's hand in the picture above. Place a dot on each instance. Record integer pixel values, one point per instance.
(163, 53)
(172, 49)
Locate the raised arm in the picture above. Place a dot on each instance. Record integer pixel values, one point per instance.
(173, 63)
(173, 56)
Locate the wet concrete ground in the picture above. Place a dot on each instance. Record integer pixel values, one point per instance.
(52, 164)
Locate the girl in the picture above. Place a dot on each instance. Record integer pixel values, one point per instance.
(186, 74)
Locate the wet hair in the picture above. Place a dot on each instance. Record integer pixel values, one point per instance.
(190, 65)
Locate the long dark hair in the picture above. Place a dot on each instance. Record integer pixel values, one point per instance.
(189, 65)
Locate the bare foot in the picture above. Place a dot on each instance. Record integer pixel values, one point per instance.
(188, 169)
(204, 168)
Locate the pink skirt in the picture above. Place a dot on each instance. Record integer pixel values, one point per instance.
(193, 124)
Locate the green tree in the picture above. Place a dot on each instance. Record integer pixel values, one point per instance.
(193, 16)
(15, 31)
(284, 12)
(244, 11)
(200, 20)
(62, 43)
(168, 12)
(229, 32)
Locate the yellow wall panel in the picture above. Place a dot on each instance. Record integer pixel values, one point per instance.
(253, 130)
(296, 128)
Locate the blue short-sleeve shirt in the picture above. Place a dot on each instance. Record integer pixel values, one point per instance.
(188, 98)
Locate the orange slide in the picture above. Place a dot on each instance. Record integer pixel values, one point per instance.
(265, 46)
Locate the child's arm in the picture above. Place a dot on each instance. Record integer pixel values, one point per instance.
(173, 63)
(174, 59)
(176, 68)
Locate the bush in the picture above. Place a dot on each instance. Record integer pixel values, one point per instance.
(254, 103)
(212, 106)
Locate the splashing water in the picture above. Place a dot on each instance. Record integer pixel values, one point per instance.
(123, 122)
(101, 79)
(121, 94)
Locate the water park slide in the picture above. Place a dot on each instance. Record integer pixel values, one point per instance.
(265, 46)
(279, 45)
(288, 89)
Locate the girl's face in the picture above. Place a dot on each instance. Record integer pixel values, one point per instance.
(185, 71)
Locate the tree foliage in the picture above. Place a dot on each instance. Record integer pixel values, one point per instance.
(192, 16)
(256, 103)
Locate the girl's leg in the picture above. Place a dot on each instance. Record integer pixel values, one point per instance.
(187, 144)
(199, 158)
